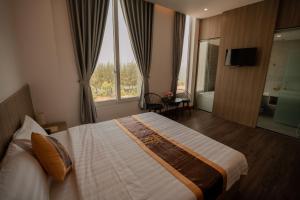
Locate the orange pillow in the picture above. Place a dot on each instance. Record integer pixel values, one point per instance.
(52, 156)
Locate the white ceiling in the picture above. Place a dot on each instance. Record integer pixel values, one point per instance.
(195, 7)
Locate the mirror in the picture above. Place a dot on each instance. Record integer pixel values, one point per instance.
(206, 73)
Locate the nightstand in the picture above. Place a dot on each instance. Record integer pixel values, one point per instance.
(55, 127)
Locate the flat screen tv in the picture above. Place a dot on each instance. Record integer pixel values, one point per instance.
(241, 57)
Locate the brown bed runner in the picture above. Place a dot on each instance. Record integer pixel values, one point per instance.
(204, 178)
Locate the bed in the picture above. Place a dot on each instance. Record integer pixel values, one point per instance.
(109, 163)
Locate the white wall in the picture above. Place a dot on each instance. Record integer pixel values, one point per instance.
(11, 78)
(116, 110)
(162, 47)
(47, 55)
(43, 32)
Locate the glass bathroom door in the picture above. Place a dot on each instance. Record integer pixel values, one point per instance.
(280, 106)
(288, 107)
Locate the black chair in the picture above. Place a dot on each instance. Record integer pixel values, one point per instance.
(153, 102)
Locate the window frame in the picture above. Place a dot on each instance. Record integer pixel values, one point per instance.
(117, 71)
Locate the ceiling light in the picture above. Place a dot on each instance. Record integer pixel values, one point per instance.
(205, 9)
(278, 35)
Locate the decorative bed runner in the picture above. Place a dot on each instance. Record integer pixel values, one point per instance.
(203, 177)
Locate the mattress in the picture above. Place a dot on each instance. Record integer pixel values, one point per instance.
(110, 165)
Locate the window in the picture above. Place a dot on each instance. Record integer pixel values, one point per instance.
(116, 75)
(129, 73)
(183, 72)
(103, 81)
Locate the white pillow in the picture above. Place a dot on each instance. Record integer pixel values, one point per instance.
(21, 176)
(27, 128)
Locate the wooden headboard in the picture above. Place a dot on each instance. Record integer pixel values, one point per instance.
(12, 113)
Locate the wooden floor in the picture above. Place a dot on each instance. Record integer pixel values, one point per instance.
(274, 159)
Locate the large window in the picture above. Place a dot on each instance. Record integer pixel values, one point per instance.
(117, 75)
(129, 72)
(183, 72)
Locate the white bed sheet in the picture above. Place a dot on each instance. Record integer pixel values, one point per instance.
(109, 165)
(67, 189)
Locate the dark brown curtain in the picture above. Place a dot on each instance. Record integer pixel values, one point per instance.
(88, 18)
(139, 19)
(178, 37)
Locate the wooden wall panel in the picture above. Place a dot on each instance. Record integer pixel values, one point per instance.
(239, 90)
(210, 27)
(288, 14)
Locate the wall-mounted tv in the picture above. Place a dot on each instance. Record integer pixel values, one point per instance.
(241, 57)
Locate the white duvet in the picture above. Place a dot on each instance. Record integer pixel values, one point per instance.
(109, 165)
